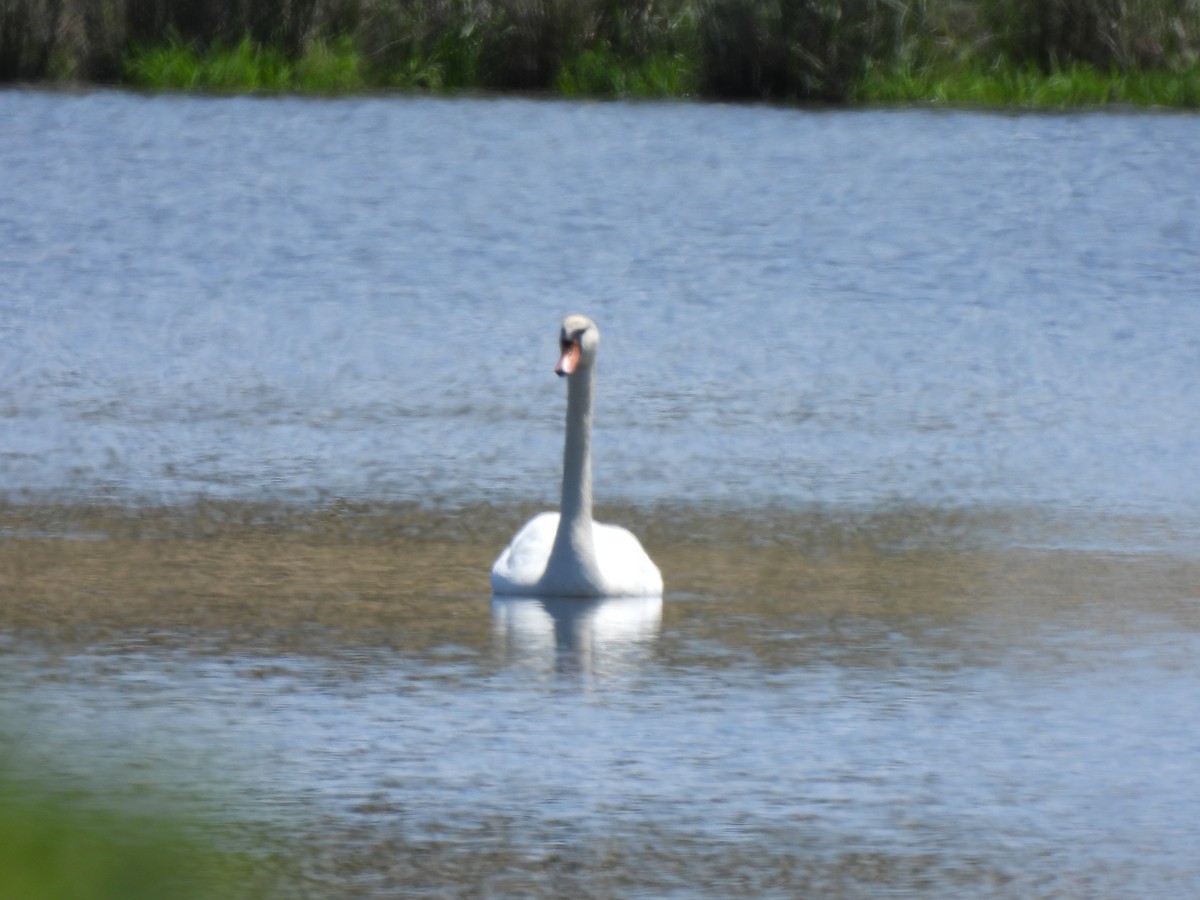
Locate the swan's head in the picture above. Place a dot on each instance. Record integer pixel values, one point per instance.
(578, 342)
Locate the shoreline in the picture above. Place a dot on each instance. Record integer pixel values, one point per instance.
(995, 54)
(1079, 88)
(956, 104)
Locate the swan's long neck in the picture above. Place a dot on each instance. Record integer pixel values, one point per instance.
(572, 565)
(577, 451)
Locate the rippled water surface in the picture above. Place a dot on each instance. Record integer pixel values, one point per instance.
(902, 403)
(287, 298)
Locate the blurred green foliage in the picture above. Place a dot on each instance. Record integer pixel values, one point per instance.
(55, 847)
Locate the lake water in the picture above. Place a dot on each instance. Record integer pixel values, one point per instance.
(902, 402)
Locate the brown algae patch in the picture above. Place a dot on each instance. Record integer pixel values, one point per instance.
(274, 578)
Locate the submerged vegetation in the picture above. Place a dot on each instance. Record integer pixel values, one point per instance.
(1006, 52)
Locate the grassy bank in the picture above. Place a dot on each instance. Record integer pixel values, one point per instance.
(987, 52)
(1007, 85)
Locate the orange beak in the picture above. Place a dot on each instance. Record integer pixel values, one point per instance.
(569, 359)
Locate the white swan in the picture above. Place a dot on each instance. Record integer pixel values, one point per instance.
(569, 555)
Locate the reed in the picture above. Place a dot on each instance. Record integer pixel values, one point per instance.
(1122, 35)
(793, 49)
(29, 37)
(1028, 52)
(603, 73)
(326, 67)
(1008, 85)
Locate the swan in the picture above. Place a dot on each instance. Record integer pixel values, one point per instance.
(566, 554)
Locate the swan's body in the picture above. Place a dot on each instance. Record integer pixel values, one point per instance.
(567, 554)
(616, 567)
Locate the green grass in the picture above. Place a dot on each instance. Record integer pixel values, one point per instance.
(451, 63)
(455, 61)
(602, 73)
(1006, 53)
(327, 67)
(337, 67)
(1009, 86)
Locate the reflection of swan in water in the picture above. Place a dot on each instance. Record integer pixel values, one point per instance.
(594, 636)
(571, 555)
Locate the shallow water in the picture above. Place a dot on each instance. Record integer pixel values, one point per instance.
(902, 403)
(860, 719)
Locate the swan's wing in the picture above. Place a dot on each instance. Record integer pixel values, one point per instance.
(522, 562)
(627, 568)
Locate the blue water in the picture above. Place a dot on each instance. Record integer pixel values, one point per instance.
(285, 298)
(1013, 776)
(837, 346)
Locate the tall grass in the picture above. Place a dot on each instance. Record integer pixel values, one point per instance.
(326, 67)
(603, 73)
(790, 50)
(1008, 85)
(1037, 51)
(526, 44)
(1122, 35)
(29, 37)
